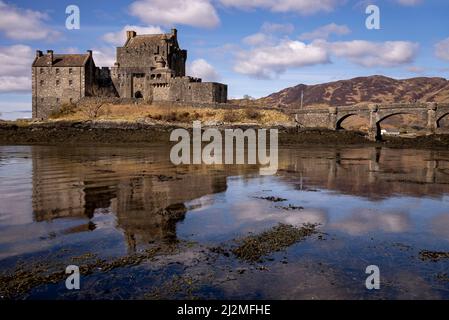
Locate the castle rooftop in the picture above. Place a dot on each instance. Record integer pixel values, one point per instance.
(134, 40)
(61, 60)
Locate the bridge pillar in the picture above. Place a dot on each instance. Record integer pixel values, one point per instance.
(374, 164)
(373, 133)
(431, 170)
(332, 173)
(332, 122)
(432, 118)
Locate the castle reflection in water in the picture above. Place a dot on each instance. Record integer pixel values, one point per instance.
(148, 195)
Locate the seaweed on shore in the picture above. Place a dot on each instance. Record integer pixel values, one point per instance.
(23, 279)
(254, 247)
(434, 256)
(291, 207)
(272, 199)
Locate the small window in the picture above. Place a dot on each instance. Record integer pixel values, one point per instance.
(57, 100)
(70, 82)
(57, 70)
(42, 99)
(42, 82)
(57, 82)
(71, 100)
(41, 70)
(70, 70)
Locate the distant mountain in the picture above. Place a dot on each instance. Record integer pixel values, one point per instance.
(375, 89)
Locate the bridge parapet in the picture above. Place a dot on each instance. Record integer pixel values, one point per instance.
(332, 117)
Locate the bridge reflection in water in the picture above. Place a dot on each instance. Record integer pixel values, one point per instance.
(373, 172)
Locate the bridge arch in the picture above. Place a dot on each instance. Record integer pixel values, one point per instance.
(343, 118)
(385, 117)
(440, 119)
(362, 116)
(398, 113)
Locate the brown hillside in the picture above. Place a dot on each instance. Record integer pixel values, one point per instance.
(375, 89)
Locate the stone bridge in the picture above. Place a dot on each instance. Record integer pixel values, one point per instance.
(333, 117)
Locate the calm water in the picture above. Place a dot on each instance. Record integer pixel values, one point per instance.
(374, 206)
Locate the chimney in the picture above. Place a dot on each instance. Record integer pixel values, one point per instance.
(38, 53)
(50, 55)
(174, 32)
(89, 52)
(130, 34)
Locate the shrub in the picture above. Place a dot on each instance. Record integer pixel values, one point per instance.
(64, 110)
(170, 117)
(230, 116)
(155, 116)
(176, 116)
(93, 110)
(252, 114)
(196, 116)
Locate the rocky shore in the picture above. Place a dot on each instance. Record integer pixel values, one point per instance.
(113, 132)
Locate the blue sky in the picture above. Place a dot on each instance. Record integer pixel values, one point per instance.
(255, 46)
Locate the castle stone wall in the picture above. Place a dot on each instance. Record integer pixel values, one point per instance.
(54, 87)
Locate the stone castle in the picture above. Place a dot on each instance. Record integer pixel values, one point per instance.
(151, 67)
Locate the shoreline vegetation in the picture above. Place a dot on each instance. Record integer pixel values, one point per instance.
(251, 250)
(101, 123)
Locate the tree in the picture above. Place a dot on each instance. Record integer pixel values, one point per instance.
(93, 109)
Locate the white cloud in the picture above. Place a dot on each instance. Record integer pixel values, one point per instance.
(325, 31)
(70, 50)
(269, 27)
(197, 13)
(442, 49)
(365, 221)
(415, 69)
(267, 61)
(257, 39)
(104, 57)
(200, 68)
(24, 24)
(266, 34)
(299, 6)
(15, 84)
(118, 38)
(409, 2)
(373, 54)
(15, 73)
(224, 50)
(16, 60)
